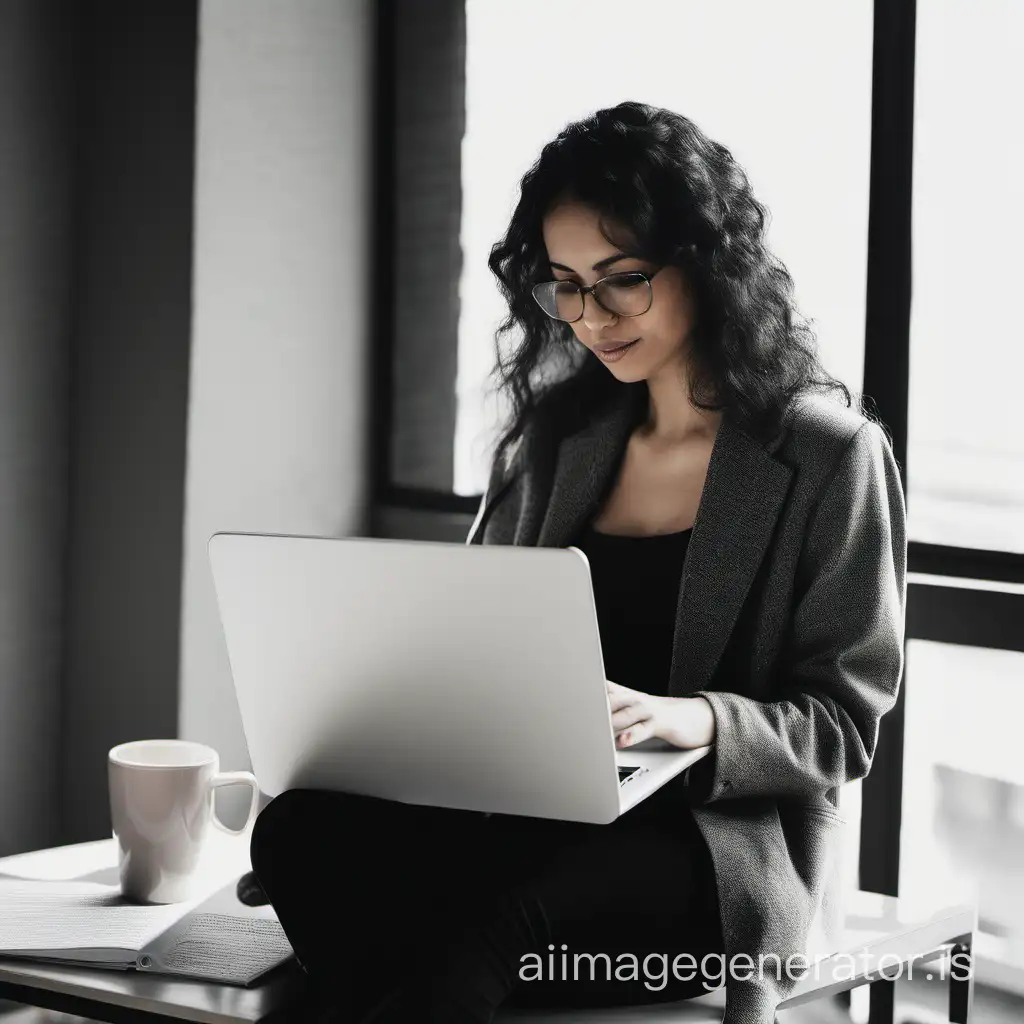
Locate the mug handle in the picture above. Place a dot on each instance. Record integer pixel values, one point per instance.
(234, 779)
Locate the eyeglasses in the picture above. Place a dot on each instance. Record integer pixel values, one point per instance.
(626, 294)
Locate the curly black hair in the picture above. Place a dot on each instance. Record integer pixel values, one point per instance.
(688, 204)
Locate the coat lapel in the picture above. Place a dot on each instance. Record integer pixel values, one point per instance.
(740, 503)
(585, 465)
(742, 497)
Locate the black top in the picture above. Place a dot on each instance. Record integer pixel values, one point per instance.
(636, 589)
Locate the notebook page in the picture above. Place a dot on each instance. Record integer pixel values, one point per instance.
(51, 916)
(230, 950)
(220, 940)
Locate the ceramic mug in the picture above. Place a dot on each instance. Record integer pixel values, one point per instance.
(161, 808)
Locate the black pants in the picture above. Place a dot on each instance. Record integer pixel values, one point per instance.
(443, 906)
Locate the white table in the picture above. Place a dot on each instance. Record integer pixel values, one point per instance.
(132, 996)
(895, 935)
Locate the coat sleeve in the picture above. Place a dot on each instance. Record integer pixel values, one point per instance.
(843, 666)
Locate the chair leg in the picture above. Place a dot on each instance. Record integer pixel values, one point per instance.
(840, 1004)
(961, 980)
(882, 1008)
(843, 1001)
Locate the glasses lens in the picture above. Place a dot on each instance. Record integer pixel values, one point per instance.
(625, 294)
(560, 299)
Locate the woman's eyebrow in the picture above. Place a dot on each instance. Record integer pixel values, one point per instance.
(599, 265)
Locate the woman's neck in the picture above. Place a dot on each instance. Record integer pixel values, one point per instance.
(671, 419)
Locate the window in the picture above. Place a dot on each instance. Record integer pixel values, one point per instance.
(965, 483)
(962, 804)
(963, 791)
(789, 94)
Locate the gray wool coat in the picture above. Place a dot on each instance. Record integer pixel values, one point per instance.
(790, 621)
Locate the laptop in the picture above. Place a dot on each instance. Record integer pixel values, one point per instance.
(461, 676)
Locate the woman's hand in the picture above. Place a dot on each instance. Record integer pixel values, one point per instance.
(682, 721)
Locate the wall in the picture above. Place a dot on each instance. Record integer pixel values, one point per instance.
(135, 89)
(277, 414)
(35, 306)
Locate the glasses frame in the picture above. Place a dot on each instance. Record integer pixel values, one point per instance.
(591, 289)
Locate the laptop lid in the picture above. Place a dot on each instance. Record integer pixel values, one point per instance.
(420, 671)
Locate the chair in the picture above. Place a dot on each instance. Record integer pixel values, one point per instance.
(887, 943)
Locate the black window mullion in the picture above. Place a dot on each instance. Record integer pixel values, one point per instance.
(971, 563)
(887, 371)
(966, 616)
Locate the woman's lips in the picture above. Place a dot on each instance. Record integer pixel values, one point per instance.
(617, 353)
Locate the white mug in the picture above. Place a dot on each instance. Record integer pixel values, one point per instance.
(161, 807)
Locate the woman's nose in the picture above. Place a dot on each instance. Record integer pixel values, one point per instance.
(597, 316)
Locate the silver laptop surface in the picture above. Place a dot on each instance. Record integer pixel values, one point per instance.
(429, 673)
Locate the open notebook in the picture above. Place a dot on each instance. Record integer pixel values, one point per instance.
(90, 924)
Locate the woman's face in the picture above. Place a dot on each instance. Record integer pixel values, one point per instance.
(578, 252)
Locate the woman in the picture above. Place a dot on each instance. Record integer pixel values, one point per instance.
(745, 530)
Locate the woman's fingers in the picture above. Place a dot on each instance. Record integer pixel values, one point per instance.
(620, 696)
(617, 701)
(635, 734)
(629, 715)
